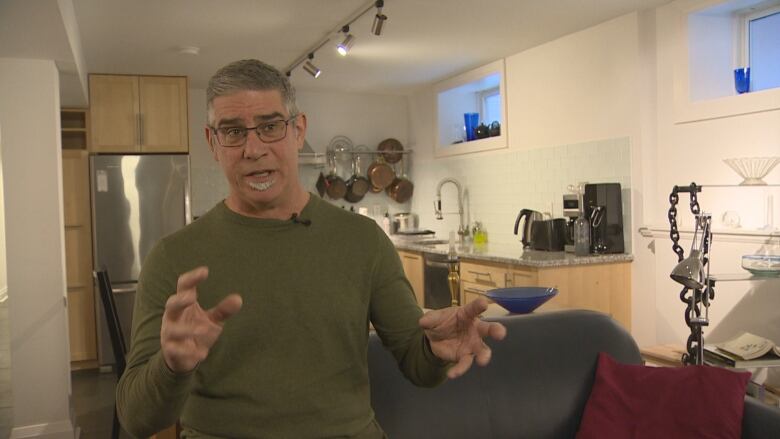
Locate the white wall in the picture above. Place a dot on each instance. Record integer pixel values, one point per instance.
(573, 112)
(32, 173)
(578, 88)
(3, 272)
(366, 119)
(616, 80)
(693, 152)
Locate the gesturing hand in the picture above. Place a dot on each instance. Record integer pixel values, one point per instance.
(188, 331)
(456, 335)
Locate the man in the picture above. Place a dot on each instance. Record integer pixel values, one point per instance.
(310, 277)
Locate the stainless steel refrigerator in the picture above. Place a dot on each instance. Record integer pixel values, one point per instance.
(136, 200)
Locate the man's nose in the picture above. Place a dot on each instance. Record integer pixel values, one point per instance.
(254, 148)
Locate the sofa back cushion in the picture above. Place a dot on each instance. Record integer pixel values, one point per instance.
(536, 384)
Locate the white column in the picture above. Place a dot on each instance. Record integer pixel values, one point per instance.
(35, 255)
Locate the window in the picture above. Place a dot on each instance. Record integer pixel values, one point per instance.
(762, 34)
(491, 106)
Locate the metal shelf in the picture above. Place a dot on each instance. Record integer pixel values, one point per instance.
(311, 158)
(738, 277)
(320, 158)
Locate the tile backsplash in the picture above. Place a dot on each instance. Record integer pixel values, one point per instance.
(497, 185)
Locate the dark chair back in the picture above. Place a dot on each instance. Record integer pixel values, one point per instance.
(112, 319)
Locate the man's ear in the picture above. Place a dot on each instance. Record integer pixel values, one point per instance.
(210, 140)
(300, 129)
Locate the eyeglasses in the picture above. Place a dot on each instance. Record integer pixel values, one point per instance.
(269, 132)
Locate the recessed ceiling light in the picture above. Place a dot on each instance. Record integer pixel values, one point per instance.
(188, 50)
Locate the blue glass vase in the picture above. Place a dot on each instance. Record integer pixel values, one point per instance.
(742, 79)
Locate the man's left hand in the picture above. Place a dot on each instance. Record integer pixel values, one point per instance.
(456, 333)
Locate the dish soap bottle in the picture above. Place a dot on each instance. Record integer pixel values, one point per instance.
(581, 236)
(479, 233)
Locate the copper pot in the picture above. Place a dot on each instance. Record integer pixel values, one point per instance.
(401, 189)
(391, 149)
(380, 174)
(335, 186)
(357, 185)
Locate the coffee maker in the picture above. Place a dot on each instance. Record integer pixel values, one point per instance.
(603, 206)
(572, 209)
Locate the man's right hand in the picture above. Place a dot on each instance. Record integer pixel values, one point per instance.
(188, 331)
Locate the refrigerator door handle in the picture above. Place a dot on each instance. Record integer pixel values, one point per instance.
(187, 203)
(124, 288)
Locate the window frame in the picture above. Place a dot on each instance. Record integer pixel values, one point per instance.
(687, 110)
(483, 95)
(743, 57)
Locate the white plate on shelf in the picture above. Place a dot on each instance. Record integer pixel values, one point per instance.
(762, 265)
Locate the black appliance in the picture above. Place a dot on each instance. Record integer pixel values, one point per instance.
(603, 206)
(548, 235)
(531, 216)
(572, 209)
(437, 286)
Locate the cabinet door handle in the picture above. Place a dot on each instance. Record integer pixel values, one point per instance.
(414, 258)
(480, 274)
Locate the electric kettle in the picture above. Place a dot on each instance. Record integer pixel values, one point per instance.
(530, 216)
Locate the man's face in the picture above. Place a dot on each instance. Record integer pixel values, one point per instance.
(262, 176)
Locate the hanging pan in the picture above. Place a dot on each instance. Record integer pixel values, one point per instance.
(401, 189)
(357, 185)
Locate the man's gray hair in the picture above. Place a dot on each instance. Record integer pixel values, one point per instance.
(250, 74)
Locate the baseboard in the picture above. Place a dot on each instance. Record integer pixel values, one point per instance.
(52, 430)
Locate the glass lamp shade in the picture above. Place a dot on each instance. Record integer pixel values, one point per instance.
(688, 272)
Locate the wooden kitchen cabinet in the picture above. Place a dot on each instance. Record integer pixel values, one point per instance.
(476, 278)
(78, 255)
(138, 114)
(74, 126)
(599, 287)
(414, 268)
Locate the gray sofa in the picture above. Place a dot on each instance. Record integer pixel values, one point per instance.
(536, 385)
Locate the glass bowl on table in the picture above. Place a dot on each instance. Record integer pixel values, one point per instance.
(521, 300)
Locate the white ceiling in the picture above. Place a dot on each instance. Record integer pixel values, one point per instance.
(423, 41)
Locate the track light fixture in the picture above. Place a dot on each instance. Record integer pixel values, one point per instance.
(311, 68)
(379, 18)
(347, 43)
(349, 40)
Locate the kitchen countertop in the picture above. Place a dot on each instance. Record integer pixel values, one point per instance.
(511, 253)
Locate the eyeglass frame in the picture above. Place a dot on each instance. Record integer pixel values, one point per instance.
(255, 129)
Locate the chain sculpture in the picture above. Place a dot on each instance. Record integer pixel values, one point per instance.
(694, 298)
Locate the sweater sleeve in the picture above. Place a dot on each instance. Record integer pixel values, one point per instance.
(149, 396)
(395, 316)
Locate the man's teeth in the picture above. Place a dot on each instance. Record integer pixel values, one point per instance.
(261, 186)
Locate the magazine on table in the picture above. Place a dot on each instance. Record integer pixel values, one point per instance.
(746, 350)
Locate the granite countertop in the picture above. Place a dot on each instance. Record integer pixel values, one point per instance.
(511, 253)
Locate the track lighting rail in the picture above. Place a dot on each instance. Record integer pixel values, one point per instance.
(308, 55)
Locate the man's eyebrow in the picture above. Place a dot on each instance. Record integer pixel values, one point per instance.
(231, 122)
(271, 116)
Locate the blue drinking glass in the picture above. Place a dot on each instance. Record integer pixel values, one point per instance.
(471, 120)
(742, 79)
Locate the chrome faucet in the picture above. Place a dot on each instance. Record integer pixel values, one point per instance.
(463, 229)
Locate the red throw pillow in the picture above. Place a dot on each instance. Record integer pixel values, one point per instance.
(642, 402)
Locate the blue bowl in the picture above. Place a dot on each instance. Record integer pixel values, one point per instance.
(521, 300)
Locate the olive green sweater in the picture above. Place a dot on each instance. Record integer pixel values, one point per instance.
(292, 363)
